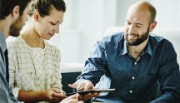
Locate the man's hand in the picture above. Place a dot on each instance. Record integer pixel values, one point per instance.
(83, 86)
(71, 99)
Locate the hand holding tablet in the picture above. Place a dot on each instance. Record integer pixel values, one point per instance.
(91, 91)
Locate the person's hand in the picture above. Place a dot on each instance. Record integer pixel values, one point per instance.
(71, 99)
(83, 86)
(88, 96)
(54, 95)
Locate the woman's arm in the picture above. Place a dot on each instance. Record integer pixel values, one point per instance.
(51, 95)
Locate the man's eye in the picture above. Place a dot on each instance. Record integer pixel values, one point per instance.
(138, 26)
(128, 23)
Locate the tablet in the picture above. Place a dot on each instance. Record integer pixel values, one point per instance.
(91, 91)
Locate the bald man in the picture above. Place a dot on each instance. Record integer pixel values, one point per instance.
(142, 66)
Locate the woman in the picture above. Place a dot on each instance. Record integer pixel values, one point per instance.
(34, 62)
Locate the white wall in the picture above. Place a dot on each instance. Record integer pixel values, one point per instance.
(86, 20)
(172, 34)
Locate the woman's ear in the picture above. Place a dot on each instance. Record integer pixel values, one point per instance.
(152, 26)
(36, 15)
(15, 12)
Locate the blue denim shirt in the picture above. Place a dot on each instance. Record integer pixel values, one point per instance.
(136, 81)
(6, 95)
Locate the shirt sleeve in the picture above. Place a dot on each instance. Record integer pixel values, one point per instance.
(169, 76)
(6, 95)
(95, 65)
(57, 77)
(12, 68)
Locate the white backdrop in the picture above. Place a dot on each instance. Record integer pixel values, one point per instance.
(86, 20)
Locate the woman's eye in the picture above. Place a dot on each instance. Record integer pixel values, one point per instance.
(53, 23)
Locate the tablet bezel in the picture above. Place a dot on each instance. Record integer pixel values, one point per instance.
(91, 91)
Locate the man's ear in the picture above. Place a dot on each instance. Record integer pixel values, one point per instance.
(15, 12)
(152, 26)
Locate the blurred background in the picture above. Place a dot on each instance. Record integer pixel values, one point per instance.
(86, 21)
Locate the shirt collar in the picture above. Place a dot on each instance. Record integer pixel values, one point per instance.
(124, 50)
(148, 48)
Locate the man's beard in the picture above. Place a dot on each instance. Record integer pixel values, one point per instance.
(139, 40)
(16, 27)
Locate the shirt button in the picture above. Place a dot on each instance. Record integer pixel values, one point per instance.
(133, 78)
(135, 63)
(130, 91)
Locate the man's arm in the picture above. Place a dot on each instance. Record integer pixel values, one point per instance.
(169, 76)
(94, 69)
(95, 65)
(5, 90)
(169, 97)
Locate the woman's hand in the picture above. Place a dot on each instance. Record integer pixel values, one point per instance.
(54, 95)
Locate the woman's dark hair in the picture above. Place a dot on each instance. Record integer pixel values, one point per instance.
(6, 7)
(44, 6)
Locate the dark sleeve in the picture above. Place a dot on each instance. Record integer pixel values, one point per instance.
(169, 76)
(95, 64)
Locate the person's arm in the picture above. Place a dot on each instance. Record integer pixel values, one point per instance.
(51, 95)
(12, 66)
(95, 65)
(6, 95)
(93, 70)
(169, 76)
(56, 73)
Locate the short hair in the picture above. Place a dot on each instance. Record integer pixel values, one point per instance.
(152, 11)
(150, 7)
(6, 7)
(44, 6)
